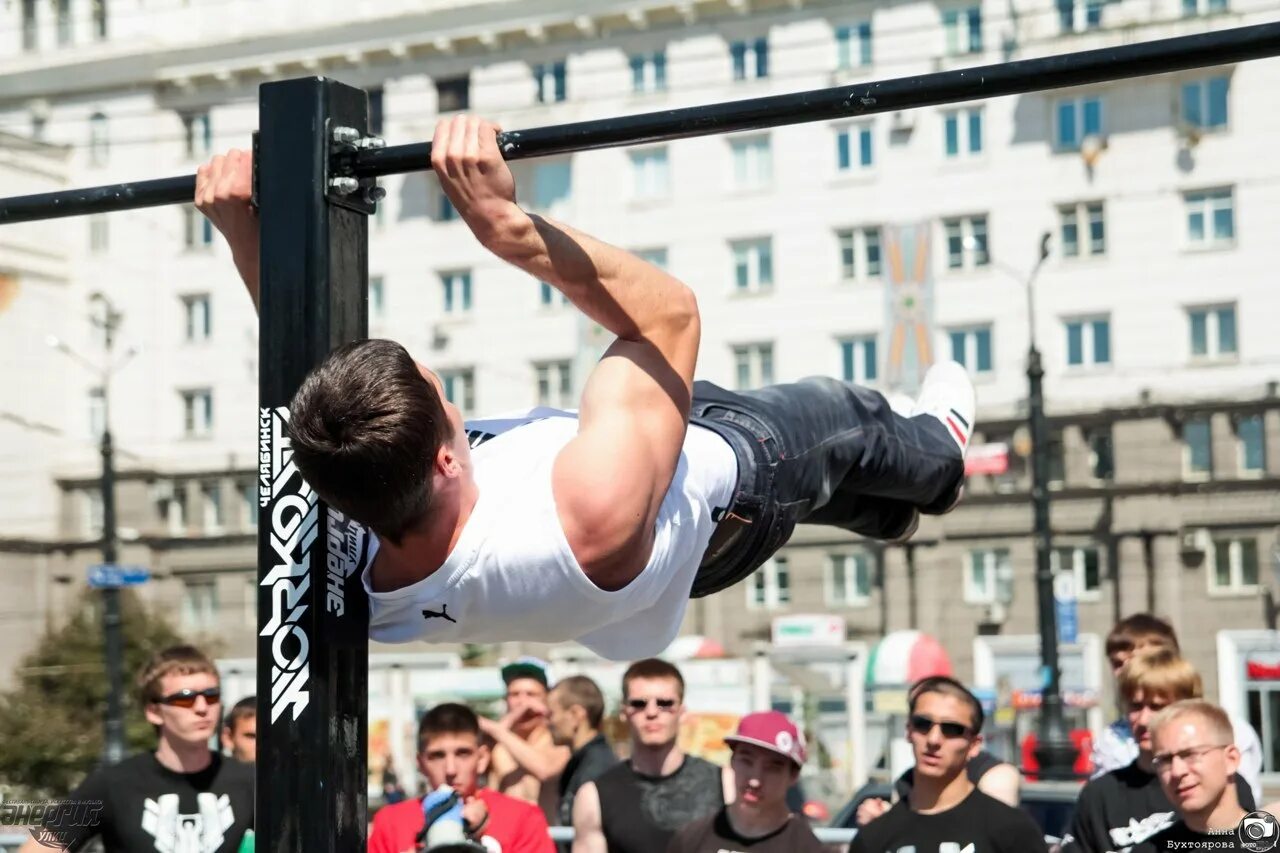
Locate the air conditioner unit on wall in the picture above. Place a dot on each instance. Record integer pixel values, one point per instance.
(1195, 544)
(903, 120)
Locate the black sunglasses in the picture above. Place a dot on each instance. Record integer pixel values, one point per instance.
(186, 698)
(922, 725)
(642, 704)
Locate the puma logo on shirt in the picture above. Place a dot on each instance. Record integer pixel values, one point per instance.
(444, 612)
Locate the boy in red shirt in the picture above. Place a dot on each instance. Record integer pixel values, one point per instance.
(450, 753)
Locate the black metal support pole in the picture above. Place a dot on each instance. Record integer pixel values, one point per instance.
(1149, 564)
(312, 612)
(113, 745)
(1054, 751)
(990, 81)
(913, 606)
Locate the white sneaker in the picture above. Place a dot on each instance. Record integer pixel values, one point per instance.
(947, 394)
(902, 404)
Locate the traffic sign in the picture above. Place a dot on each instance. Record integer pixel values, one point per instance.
(1064, 599)
(113, 575)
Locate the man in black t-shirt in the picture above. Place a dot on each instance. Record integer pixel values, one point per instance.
(768, 752)
(182, 797)
(1197, 761)
(636, 806)
(945, 811)
(575, 712)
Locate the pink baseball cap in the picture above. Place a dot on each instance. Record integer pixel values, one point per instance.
(771, 730)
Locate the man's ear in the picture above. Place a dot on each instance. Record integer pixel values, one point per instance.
(152, 712)
(1232, 753)
(482, 759)
(975, 747)
(447, 463)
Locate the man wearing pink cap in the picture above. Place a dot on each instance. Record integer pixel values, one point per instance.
(768, 752)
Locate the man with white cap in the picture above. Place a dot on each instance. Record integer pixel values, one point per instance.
(768, 752)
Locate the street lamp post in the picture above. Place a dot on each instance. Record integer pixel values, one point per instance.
(1055, 754)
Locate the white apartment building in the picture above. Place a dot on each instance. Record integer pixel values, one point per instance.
(1153, 310)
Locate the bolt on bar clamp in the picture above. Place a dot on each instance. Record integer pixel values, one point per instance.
(344, 187)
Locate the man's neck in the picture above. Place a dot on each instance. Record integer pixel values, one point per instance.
(656, 761)
(1146, 761)
(756, 822)
(930, 795)
(1226, 813)
(582, 737)
(420, 553)
(183, 757)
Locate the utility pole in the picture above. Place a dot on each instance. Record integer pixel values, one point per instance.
(1055, 753)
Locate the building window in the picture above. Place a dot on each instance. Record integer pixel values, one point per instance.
(99, 142)
(197, 230)
(460, 388)
(550, 81)
(1084, 563)
(99, 235)
(377, 297)
(770, 585)
(30, 26)
(752, 366)
(1251, 432)
(848, 579)
(1088, 342)
(1211, 218)
(859, 253)
(1056, 457)
(65, 34)
(211, 506)
(1076, 119)
(1083, 229)
(649, 72)
(1078, 16)
(1213, 332)
(971, 347)
(377, 110)
(650, 177)
(853, 148)
(199, 606)
(249, 505)
(988, 576)
(197, 413)
(1235, 565)
(199, 319)
(197, 135)
(91, 513)
(1204, 103)
(456, 287)
(752, 162)
(552, 184)
(97, 412)
(967, 242)
(173, 506)
(555, 384)
(1191, 8)
(750, 59)
(549, 297)
(858, 360)
(853, 46)
(99, 19)
(752, 265)
(962, 132)
(1101, 453)
(453, 94)
(963, 29)
(657, 257)
(445, 211)
(1197, 448)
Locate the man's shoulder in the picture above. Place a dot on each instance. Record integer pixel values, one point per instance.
(234, 770)
(1000, 815)
(497, 800)
(405, 811)
(141, 767)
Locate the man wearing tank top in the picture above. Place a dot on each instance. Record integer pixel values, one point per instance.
(636, 806)
(596, 525)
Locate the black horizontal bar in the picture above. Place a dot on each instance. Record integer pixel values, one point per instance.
(1161, 56)
(161, 191)
(989, 81)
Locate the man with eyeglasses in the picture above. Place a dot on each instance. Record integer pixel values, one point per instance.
(1121, 809)
(1197, 763)
(945, 811)
(182, 797)
(636, 806)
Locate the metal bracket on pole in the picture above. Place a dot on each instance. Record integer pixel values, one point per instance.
(342, 185)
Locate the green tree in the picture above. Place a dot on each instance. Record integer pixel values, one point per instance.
(52, 719)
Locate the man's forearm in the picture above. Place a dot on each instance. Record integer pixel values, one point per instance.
(537, 763)
(633, 299)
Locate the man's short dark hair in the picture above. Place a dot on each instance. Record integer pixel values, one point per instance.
(447, 718)
(1141, 628)
(365, 428)
(242, 710)
(652, 668)
(580, 690)
(948, 687)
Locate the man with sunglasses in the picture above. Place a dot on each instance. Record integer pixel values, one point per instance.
(1197, 762)
(636, 806)
(945, 811)
(184, 796)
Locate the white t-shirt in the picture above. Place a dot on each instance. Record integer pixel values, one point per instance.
(512, 576)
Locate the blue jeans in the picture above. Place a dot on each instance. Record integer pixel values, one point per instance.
(820, 451)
